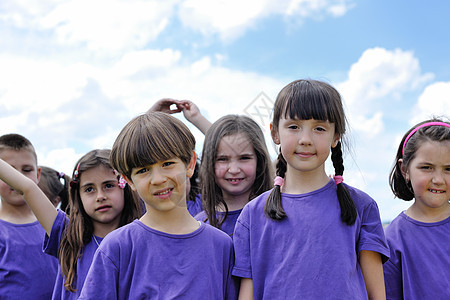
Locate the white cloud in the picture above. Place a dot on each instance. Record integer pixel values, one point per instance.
(434, 102)
(232, 18)
(379, 74)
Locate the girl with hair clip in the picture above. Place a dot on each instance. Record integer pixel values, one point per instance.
(152, 258)
(235, 168)
(310, 237)
(418, 238)
(55, 186)
(99, 202)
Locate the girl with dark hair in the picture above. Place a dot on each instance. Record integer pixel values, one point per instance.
(99, 202)
(235, 168)
(418, 238)
(310, 237)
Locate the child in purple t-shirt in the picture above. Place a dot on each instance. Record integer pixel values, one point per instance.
(235, 168)
(419, 238)
(311, 237)
(98, 204)
(152, 257)
(25, 271)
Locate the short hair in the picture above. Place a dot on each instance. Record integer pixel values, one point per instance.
(17, 142)
(150, 138)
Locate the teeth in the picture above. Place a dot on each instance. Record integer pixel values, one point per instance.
(437, 192)
(234, 180)
(163, 193)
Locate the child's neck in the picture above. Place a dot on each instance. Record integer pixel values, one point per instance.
(235, 202)
(428, 215)
(175, 221)
(101, 230)
(296, 182)
(16, 214)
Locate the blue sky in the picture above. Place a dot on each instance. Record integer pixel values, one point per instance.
(73, 72)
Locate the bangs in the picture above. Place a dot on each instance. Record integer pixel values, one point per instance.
(150, 138)
(310, 103)
(151, 146)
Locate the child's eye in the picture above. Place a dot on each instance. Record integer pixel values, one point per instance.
(293, 127)
(110, 185)
(222, 158)
(321, 129)
(141, 171)
(425, 167)
(167, 163)
(89, 189)
(247, 157)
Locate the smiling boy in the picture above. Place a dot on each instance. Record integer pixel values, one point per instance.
(166, 254)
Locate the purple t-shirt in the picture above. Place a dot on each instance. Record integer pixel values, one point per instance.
(51, 246)
(138, 262)
(195, 206)
(25, 271)
(311, 254)
(419, 266)
(229, 223)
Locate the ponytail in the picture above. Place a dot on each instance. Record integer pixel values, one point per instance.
(273, 207)
(348, 208)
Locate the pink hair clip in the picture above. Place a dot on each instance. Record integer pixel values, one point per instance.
(122, 182)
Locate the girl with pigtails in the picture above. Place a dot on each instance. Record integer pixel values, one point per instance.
(311, 236)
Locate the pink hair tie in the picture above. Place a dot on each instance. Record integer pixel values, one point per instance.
(421, 126)
(278, 181)
(338, 179)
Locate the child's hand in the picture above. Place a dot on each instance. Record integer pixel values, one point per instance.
(190, 110)
(164, 105)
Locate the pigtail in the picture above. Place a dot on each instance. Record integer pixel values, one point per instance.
(274, 207)
(348, 208)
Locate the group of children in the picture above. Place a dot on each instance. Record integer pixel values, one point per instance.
(139, 224)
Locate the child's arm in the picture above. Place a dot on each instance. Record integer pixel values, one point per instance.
(189, 109)
(41, 206)
(192, 113)
(246, 290)
(372, 270)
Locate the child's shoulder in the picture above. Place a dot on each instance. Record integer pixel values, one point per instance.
(258, 201)
(360, 197)
(215, 234)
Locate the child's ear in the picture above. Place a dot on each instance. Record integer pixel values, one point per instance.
(130, 182)
(274, 134)
(336, 140)
(191, 166)
(402, 168)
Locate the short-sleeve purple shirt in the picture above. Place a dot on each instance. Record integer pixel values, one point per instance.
(311, 254)
(51, 246)
(25, 271)
(419, 266)
(138, 262)
(229, 223)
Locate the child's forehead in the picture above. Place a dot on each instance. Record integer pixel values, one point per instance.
(20, 157)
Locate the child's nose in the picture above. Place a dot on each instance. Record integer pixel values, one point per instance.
(157, 177)
(438, 178)
(233, 167)
(101, 195)
(304, 138)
